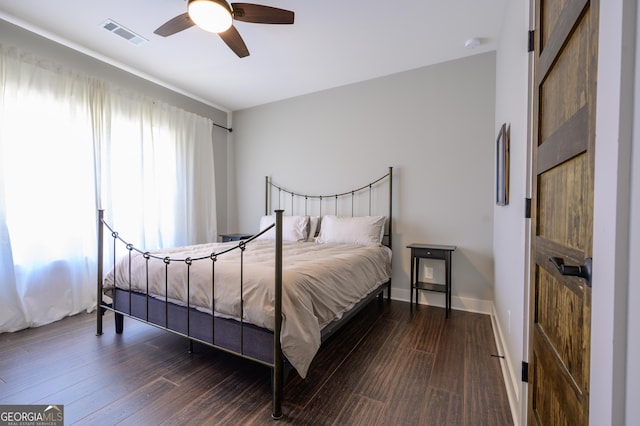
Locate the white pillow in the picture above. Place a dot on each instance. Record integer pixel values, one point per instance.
(294, 228)
(363, 230)
(314, 221)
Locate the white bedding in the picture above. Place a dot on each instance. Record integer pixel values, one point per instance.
(320, 283)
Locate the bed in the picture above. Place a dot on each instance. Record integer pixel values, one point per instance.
(272, 298)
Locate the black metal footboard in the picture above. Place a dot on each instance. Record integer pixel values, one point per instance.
(237, 337)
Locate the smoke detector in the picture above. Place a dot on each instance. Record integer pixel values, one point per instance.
(472, 43)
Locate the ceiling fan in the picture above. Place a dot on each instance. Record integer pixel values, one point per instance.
(217, 16)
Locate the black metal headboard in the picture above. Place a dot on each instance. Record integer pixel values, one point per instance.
(302, 201)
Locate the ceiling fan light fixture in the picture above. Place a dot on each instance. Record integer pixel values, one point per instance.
(211, 15)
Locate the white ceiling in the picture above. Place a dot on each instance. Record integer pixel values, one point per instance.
(331, 43)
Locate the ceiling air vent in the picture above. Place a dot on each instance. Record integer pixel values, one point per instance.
(126, 34)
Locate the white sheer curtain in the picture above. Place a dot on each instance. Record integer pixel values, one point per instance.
(47, 192)
(69, 143)
(157, 166)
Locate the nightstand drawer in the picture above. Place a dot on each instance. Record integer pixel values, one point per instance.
(429, 253)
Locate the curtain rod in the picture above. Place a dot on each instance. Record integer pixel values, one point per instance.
(229, 129)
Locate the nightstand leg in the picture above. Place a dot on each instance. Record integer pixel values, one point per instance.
(411, 283)
(417, 279)
(448, 281)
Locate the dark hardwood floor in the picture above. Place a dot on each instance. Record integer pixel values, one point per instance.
(405, 369)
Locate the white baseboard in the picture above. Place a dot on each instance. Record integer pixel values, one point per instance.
(510, 373)
(437, 299)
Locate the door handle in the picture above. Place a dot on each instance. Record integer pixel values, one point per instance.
(582, 271)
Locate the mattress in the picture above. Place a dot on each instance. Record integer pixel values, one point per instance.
(320, 282)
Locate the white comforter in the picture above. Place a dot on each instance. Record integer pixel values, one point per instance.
(320, 283)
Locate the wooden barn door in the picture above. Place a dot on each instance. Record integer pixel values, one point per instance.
(564, 100)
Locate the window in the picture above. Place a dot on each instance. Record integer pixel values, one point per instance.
(68, 144)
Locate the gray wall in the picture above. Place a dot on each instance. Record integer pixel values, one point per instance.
(633, 337)
(511, 233)
(434, 125)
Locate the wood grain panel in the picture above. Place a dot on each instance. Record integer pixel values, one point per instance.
(383, 374)
(566, 78)
(426, 336)
(559, 314)
(446, 408)
(557, 21)
(360, 410)
(550, 13)
(448, 354)
(122, 408)
(300, 391)
(412, 404)
(204, 405)
(560, 219)
(554, 401)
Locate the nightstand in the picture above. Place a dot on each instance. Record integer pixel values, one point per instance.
(431, 251)
(234, 237)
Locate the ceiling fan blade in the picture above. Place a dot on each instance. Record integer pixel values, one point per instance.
(233, 39)
(175, 25)
(259, 14)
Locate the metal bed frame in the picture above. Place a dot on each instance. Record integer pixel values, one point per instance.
(234, 336)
